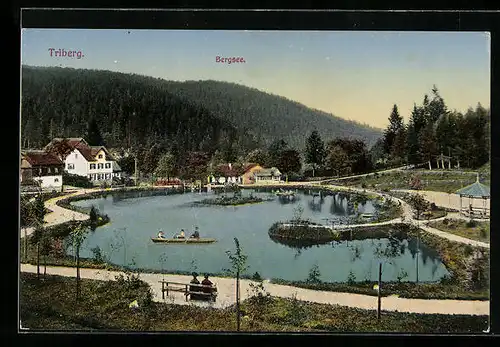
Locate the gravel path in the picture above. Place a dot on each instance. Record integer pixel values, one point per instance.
(226, 297)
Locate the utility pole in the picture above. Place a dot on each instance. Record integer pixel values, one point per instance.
(379, 290)
(135, 170)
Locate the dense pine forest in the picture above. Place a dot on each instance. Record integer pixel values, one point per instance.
(133, 109)
(130, 111)
(185, 129)
(267, 116)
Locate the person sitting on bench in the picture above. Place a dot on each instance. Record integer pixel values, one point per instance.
(196, 233)
(207, 282)
(194, 288)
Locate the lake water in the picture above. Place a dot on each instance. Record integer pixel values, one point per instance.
(127, 239)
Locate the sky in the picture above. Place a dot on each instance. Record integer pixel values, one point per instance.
(355, 75)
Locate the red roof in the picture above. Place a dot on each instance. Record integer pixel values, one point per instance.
(232, 170)
(88, 152)
(42, 159)
(248, 166)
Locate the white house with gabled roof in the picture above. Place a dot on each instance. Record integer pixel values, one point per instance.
(94, 162)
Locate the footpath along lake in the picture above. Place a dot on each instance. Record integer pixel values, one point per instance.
(134, 220)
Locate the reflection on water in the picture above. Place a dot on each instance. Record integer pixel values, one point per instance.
(144, 216)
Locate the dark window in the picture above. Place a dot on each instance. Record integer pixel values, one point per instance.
(108, 165)
(100, 156)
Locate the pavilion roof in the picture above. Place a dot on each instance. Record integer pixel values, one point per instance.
(475, 190)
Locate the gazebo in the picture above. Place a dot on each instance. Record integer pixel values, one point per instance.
(476, 190)
(442, 159)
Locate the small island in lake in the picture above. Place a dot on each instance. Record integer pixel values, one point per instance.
(302, 231)
(236, 199)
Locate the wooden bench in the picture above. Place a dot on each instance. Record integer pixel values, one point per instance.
(185, 288)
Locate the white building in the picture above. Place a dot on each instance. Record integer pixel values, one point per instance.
(41, 169)
(94, 162)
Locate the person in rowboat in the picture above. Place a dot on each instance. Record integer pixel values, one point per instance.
(196, 234)
(182, 235)
(161, 235)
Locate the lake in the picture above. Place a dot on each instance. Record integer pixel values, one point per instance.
(134, 220)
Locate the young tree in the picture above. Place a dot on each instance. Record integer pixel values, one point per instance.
(418, 203)
(45, 248)
(315, 150)
(78, 234)
(395, 124)
(238, 266)
(94, 137)
(166, 166)
(37, 219)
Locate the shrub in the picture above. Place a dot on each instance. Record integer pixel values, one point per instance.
(314, 275)
(351, 278)
(76, 180)
(471, 223)
(98, 256)
(483, 233)
(256, 277)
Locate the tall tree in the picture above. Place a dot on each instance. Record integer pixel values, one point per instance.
(437, 106)
(337, 159)
(275, 150)
(195, 166)
(395, 124)
(428, 143)
(94, 137)
(166, 166)
(398, 149)
(258, 156)
(315, 150)
(412, 146)
(289, 162)
(377, 153)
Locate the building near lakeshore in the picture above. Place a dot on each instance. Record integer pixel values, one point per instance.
(94, 162)
(41, 170)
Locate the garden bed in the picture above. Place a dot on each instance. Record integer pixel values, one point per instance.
(50, 305)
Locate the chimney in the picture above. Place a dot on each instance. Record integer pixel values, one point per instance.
(229, 166)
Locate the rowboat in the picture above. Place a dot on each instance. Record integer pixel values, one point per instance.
(182, 241)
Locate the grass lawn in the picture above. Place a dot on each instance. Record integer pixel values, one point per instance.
(436, 180)
(479, 231)
(50, 304)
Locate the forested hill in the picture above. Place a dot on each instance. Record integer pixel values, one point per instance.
(132, 110)
(269, 116)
